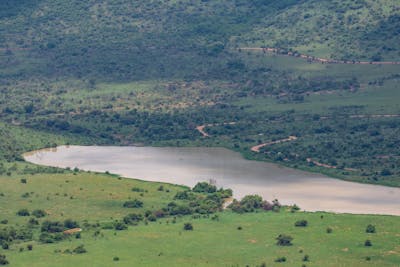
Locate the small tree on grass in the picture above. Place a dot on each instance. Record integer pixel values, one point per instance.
(280, 259)
(301, 223)
(368, 243)
(370, 229)
(23, 212)
(284, 240)
(188, 227)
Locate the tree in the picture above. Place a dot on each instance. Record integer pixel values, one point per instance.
(301, 223)
(188, 227)
(370, 229)
(284, 240)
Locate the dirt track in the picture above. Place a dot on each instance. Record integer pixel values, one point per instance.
(317, 59)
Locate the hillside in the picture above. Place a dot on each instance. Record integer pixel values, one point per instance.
(128, 40)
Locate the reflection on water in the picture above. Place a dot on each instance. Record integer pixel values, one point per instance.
(187, 166)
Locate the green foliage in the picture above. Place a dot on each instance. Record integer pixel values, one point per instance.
(3, 260)
(370, 229)
(204, 187)
(301, 223)
(23, 212)
(39, 213)
(80, 249)
(133, 204)
(368, 243)
(188, 227)
(284, 240)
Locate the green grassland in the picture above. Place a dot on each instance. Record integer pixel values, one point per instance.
(98, 198)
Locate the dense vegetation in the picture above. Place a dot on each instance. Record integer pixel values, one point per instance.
(114, 72)
(174, 73)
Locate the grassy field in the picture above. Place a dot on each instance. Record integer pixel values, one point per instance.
(213, 242)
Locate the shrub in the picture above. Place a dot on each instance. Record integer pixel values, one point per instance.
(368, 243)
(5, 221)
(29, 247)
(306, 258)
(284, 240)
(133, 204)
(137, 189)
(79, 249)
(370, 229)
(52, 227)
(23, 181)
(116, 259)
(23, 212)
(152, 218)
(132, 218)
(33, 222)
(294, 208)
(3, 260)
(70, 224)
(204, 187)
(188, 227)
(119, 226)
(39, 213)
(160, 188)
(301, 223)
(280, 259)
(185, 195)
(329, 230)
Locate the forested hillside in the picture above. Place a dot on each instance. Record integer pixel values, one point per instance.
(184, 39)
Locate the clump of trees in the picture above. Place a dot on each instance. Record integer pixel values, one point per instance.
(251, 203)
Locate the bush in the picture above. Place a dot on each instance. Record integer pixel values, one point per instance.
(29, 247)
(132, 218)
(294, 208)
(70, 224)
(284, 240)
(329, 230)
(301, 223)
(188, 227)
(306, 258)
(280, 259)
(3, 260)
(116, 259)
(370, 229)
(23, 181)
(133, 204)
(39, 213)
(23, 212)
(79, 249)
(119, 226)
(204, 187)
(368, 243)
(137, 189)
(52, 227)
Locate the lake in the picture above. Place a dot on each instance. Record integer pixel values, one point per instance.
(228, 169)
